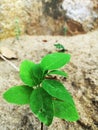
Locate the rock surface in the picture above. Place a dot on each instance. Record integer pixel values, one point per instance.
(82, 12)
(47, 17)
(82, 82)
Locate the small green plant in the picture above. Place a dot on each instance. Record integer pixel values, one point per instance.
(59, 47)
(17, 29)
(65, 30)
(47, 97)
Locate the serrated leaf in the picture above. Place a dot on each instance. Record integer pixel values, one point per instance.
(58, 72)
(55, 61)
(57, 90)
(26, 72)
(65, 110)
(18, 95)
(30, 73)
(41, 105)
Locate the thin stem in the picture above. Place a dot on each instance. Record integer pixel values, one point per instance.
(9, 62)
(41, 126)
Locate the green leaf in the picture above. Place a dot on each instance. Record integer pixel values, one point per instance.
(58, 72)
(65, 110)
(54, 61)
(30, 73)
(41, 105)
(57, 90)
(38, 73)
(59, 46)
(64, 106)
(26, 72)
(18, 95)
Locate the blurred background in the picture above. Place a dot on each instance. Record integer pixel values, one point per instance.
(47, 17)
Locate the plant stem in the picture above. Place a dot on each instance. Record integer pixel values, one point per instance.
(41, 126)
(9, 62)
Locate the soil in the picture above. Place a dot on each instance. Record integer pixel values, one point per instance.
(82, 82)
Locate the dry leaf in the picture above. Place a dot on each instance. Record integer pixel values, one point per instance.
(7, 53)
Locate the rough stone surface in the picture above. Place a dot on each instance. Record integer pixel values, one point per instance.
(82, 82)
(10, 10)
(81, 11)
(47, 17)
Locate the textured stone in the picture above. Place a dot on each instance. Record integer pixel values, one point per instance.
(81, 11)
(10, 10)
(82, 81)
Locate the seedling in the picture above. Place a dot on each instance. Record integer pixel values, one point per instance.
(59, 47)
(65, 30)
(17, 29)
(46, 97)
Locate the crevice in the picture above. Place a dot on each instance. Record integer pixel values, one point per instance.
(86, 127)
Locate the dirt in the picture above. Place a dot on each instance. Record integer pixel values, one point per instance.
(82, 81)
